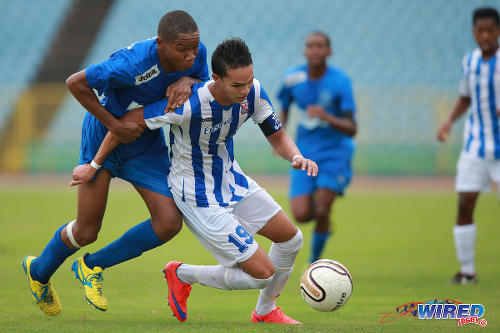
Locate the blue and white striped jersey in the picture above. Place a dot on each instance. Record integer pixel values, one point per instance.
(203, 170)
(481, 82)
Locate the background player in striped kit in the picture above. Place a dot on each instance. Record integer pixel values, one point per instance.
(479, 161)
(326, 126)
(142, 73)
(222, 206)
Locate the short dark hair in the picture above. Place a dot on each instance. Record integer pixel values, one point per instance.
(486, 12)
(174, 23)
(322, 34)
(231, 53)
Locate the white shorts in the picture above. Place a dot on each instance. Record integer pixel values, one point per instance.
(475, 174)
(227, 232)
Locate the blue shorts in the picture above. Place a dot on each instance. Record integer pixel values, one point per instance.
(143, 162)
(334, 175)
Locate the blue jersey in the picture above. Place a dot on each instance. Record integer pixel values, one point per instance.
(481, 82)
(133, 76)
(317, 139)
(203, 171)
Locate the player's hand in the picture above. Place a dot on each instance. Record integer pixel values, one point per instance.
(132, 121)
(127, 131)
(178, 92)
(316, 111)
(83, 174)
(302, 163)
(444, 131)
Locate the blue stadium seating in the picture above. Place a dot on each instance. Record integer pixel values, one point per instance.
(403, 56)
(27, 28)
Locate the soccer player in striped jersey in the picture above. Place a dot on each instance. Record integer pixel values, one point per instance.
(140, 74)
(479, 161)
(222, 206)
(326, 125)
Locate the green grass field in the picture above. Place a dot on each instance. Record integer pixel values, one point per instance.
(397, 244)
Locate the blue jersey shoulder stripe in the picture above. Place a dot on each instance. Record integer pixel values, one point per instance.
(251, 102)
(197, 155)
(235, 114)
(493, 107)
(217, 163)
(479, 115)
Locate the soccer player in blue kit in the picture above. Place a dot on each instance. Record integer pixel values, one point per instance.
(143, 73)
(326, 126)
(222, 206)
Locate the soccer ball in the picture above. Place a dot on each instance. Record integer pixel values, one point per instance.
(326, 285)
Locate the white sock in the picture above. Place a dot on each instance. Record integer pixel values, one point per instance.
(465, 242)
(283, 257)
(228, 278)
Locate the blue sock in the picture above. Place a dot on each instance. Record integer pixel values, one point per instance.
(131, 244)
(52, 257)
(318, 243)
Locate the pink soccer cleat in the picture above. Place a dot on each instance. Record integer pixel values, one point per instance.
(276, 316)
(178, 291)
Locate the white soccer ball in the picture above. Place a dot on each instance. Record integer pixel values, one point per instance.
(326, 285)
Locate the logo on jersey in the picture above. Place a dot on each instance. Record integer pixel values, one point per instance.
(244, 107)
(147, 75)
(295, 78)
(210, 130)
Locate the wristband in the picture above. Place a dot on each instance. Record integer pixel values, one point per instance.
(296, 156)
(95, 165)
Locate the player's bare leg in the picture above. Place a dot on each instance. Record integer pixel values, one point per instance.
(92, 200)
(166, 218)
(302, 208)
(464, 234)
(165, 223)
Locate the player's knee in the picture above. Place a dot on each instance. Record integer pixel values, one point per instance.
(167, 226)
(302, 215)
(263, 272)
(85, 236)
(291, 246)
(322, 212)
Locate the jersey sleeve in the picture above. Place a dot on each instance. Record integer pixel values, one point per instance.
(463, 88)
(264, 114)
(285, 96)
(346, 96)
(201, 71)
(116, 72)
(155, 116)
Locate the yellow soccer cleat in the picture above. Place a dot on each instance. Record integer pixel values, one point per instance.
(44, 295)
(91, 280)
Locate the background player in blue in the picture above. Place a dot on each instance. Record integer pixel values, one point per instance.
(326, 126)
(131, 77)
(222, 206)
(479, 161)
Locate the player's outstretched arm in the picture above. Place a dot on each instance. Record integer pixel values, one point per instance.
(461, 105)
(86, 172)
(81, 90)
(284, 146)
(346, 125)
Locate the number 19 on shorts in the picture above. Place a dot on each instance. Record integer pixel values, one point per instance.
(241, 239)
